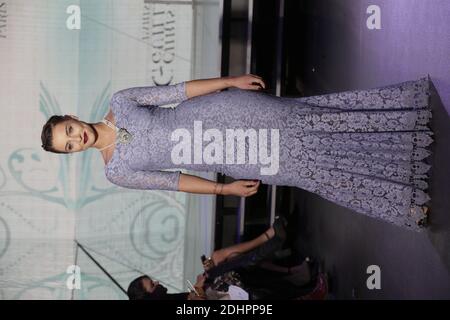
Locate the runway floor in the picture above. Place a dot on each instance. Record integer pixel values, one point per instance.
(331, 49)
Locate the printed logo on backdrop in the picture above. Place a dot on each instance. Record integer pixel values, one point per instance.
(158, 30)
(3, 19)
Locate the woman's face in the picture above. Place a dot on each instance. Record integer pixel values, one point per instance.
(73, 136)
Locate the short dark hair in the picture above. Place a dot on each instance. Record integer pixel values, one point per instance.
(136, 290)
(47, 136)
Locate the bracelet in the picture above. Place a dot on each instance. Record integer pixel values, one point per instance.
(221, 188)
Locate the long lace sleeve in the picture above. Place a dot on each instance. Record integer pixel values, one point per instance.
(144, 180)
(153, 95)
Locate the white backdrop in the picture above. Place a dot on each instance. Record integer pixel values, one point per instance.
(48, 200)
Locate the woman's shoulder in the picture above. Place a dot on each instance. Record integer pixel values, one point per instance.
(119, 103)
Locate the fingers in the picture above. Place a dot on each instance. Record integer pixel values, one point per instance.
(251, 182)
(257, 79)
(251, 187)
(261, 82)
(256, 86)
(246, 188)
(249, 193)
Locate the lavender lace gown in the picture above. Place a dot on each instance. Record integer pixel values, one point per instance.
(362, 149)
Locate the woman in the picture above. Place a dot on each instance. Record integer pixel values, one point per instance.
(362, 149)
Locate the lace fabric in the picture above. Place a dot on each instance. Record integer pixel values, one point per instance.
(152, 96)
(367, 152)
(362, 149)
(118, 171)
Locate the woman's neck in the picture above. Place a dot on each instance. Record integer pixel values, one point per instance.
(105, 135)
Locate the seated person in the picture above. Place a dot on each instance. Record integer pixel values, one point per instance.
(144, 288)
(250, 265)
(247, 266)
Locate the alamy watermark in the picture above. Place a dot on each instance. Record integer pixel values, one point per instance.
(374, 280)
(74, 279)
(373, 22)
(73, 21)
(258, 150)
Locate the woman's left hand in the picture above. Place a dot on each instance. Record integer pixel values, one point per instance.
(248, 82)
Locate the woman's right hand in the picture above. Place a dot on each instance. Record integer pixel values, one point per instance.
(242, 188)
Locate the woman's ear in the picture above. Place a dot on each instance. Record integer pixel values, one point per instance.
(72, 116)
